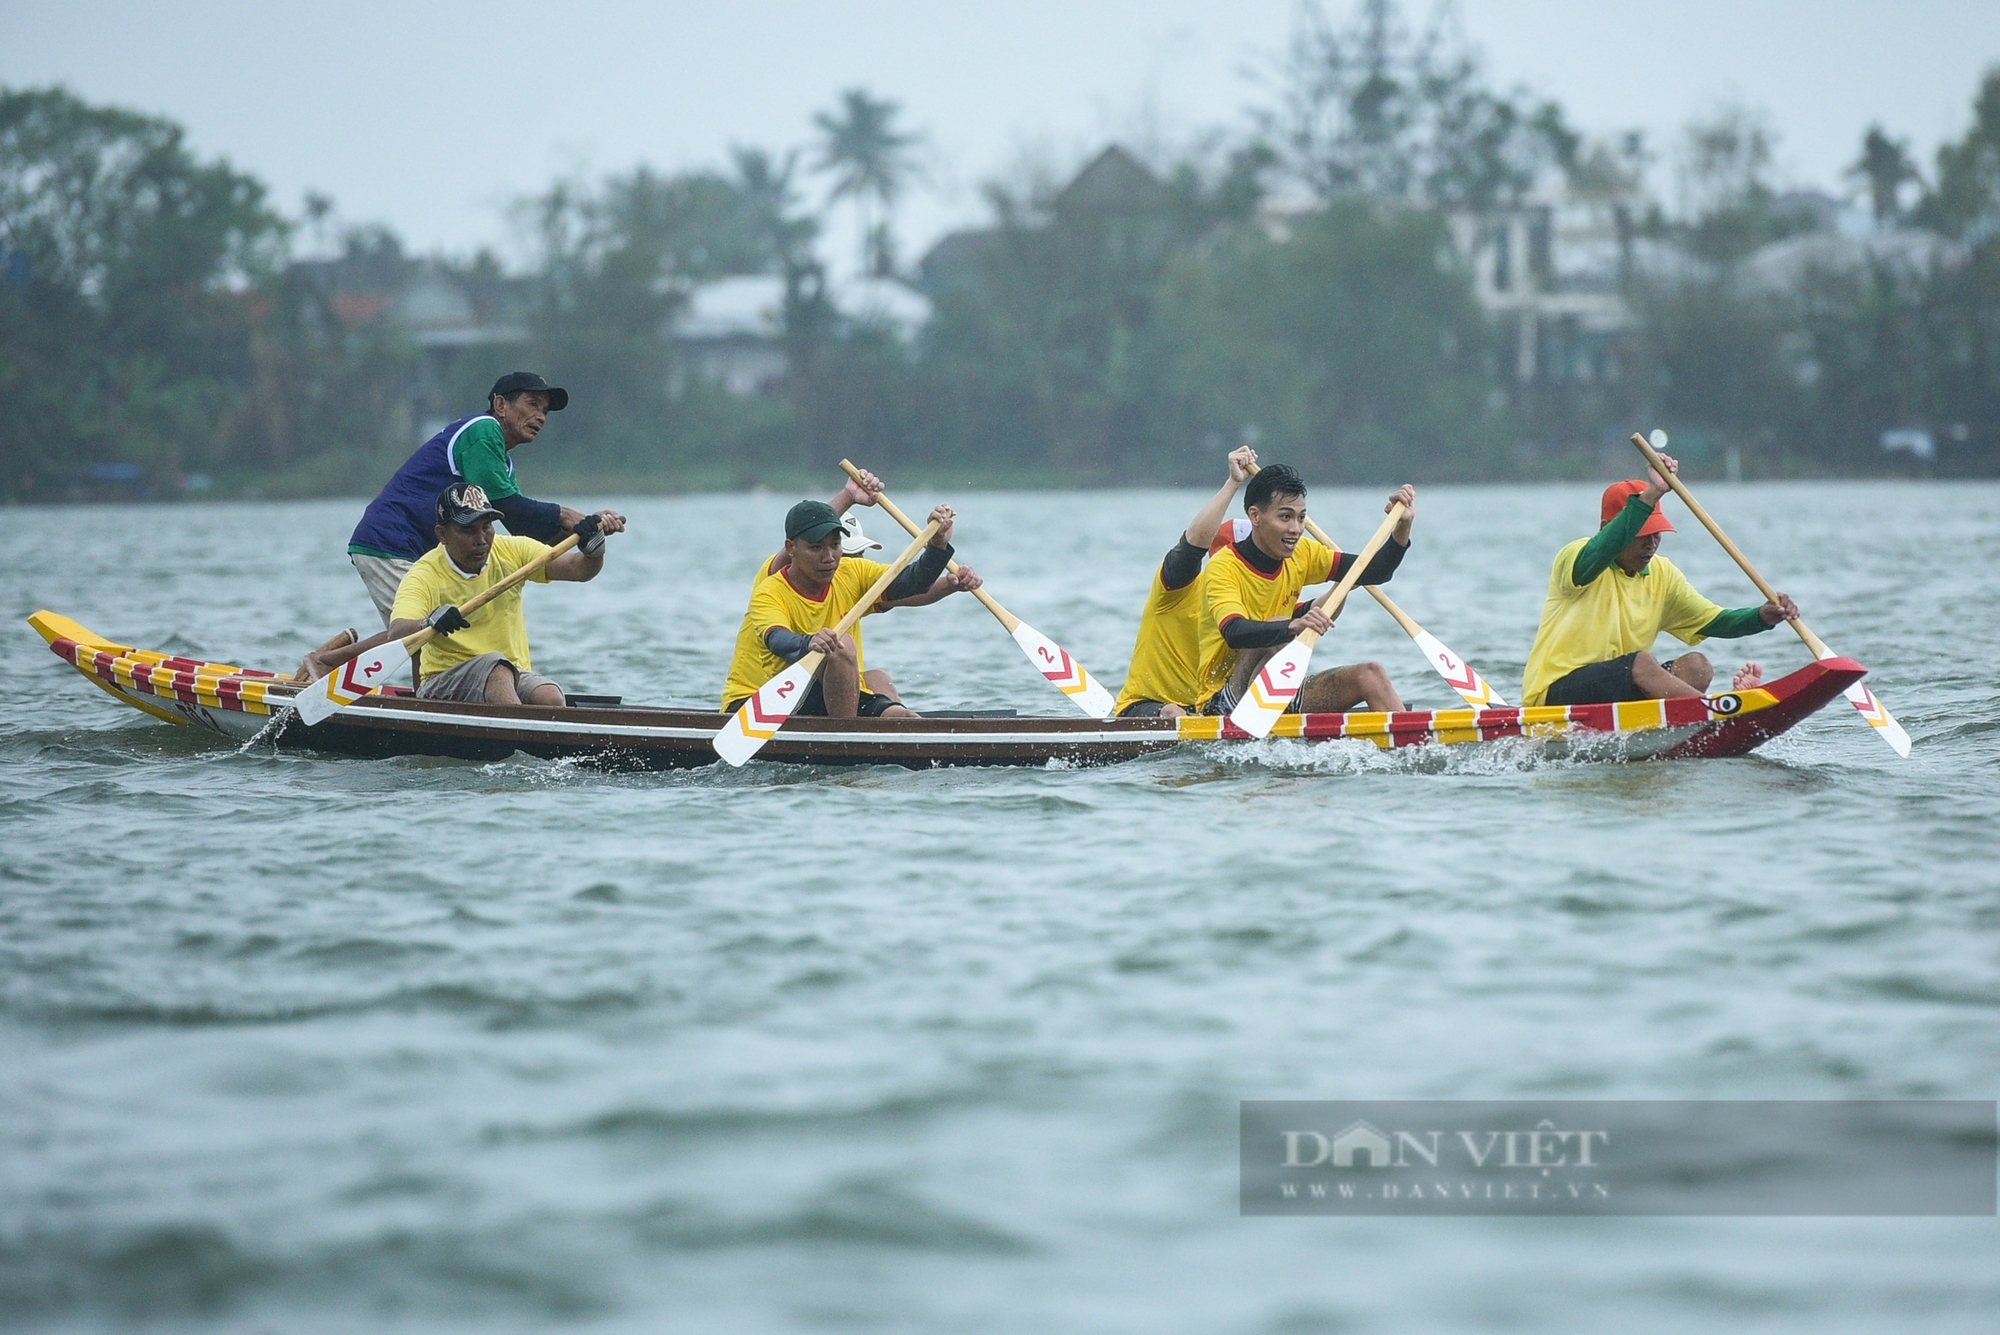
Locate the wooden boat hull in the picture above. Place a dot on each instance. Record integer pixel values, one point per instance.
(241, 704)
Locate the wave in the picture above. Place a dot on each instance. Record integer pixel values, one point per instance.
(495, 1009)
(196, 1269)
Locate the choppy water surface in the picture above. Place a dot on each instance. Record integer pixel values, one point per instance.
(300, 1043)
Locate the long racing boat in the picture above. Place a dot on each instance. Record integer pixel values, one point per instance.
(245, 703)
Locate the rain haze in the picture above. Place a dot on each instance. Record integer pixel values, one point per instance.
(1437, 554)
(434, 118)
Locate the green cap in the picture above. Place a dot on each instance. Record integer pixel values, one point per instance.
(811, 520)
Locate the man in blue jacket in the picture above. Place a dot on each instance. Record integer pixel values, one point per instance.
(400, 524)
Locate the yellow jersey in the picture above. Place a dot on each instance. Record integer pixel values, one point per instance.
(1613, 615)
(1166, 655)
(1232, 587)
(776, 601)
(500, 627)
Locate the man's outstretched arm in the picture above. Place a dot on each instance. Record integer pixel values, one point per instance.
(544, 521)
(1183, 563)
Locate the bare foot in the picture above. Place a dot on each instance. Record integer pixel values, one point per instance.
(1750, 676)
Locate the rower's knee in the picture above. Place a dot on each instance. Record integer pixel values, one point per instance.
(1378, 690)
(844, 651)
(548, 693)
(879, 682)
(500, 685)
(1690, 675)
(1695, 670)
(1172, 711)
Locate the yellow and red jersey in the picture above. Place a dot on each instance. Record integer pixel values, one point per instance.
(1232, 587)
(1166, 655)
(776, 601)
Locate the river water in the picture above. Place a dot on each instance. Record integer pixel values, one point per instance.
(293, 1043)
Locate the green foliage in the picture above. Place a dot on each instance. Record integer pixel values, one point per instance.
(124, 318)
(1378, 111)
(1125, 328)
(1037, 342)
(1726, 176)
(1967, 195)
(1352, 348)
(615, 264)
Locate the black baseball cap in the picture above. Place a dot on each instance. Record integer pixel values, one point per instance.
(465, 504)
(520, 382)
(812, 520)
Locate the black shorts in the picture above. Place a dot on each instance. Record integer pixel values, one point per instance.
(1143, 709)
(1224, 702)
(813, 705)
(871, 704)
(1606, 683)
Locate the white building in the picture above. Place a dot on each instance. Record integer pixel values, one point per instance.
(731, 331)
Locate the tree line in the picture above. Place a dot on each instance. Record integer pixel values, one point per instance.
(1299, 283)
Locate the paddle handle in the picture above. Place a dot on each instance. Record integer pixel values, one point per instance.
(1658, 465)
(1007, 619)
(1337, 595)
(419, 639)
(887, 577)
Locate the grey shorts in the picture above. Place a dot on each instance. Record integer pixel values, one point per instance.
(381, 576)
(466, 683)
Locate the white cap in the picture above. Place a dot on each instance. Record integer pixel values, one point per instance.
(855, 542)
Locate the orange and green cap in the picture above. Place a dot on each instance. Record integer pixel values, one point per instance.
(1618, 493)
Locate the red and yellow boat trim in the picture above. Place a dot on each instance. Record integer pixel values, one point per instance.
(1410, 727)
(167, 676)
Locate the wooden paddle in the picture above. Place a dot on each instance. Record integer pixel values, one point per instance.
(1864, 701)
(1277, 684)
(1049, 658)
(1459, 674)
(368, 672)
(757, 720)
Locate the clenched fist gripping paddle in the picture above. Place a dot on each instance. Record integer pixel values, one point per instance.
(757, 720)
(1873, 710)
(1050, 659)
(1460, 675)
(1277, 684)
(366, 673)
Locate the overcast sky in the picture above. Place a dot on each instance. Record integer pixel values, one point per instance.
(433, 116)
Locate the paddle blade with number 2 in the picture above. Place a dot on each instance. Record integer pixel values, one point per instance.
(1461, 675)
(1274, 688)
(758, 719)
(1064, 673)
(362, 675)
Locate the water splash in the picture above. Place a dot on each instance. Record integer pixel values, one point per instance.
(273, 729)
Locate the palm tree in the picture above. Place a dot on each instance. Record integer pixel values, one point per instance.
(764, 182)
(1885, 165)
(871, 163)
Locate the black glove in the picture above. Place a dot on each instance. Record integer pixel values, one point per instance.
(589, 540)
(446, 620)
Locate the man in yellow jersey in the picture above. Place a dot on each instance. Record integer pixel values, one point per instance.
(483, 658)
(1162, 681)
(1250, 605)
(1610, 596)
(793, 611)
(863, 491)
